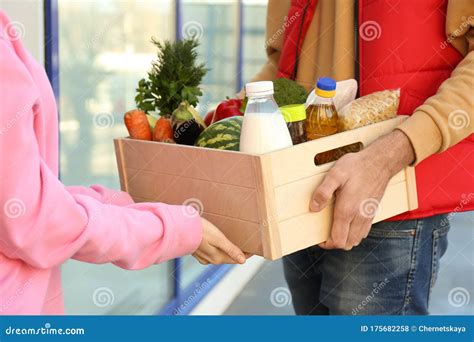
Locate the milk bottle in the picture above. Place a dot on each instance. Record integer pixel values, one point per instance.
(264, 129)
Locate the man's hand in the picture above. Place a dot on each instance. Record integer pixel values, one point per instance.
(358, 182)
(215, 248)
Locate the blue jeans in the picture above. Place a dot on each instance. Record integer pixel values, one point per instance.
(391, 272)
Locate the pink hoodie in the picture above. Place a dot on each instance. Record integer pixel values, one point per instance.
(42, 222)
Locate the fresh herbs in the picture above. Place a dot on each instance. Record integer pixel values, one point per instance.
(174, 77)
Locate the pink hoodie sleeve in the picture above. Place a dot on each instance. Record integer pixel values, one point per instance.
(102, 194)
(44, 223)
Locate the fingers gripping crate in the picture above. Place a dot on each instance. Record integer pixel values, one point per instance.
(260, 202)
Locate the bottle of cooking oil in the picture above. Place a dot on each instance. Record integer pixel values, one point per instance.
(321, 115)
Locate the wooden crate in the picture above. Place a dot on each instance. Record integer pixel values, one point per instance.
(260, 202)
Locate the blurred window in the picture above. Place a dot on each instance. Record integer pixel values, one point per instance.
(104, 49)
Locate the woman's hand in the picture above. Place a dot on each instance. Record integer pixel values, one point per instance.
(215, 248)
(358, 182)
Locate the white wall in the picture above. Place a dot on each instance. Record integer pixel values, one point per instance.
(30, 17)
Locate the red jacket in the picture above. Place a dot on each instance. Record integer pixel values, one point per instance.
(408, 55)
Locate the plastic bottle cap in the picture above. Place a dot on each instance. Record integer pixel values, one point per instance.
(326, 87)
(293, 113)
(261, 88)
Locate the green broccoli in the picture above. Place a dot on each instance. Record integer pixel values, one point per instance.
(288, 92)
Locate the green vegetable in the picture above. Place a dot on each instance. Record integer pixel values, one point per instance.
(287, 92)
(174, 77)
(223, 135)
(186, 112)
(243, 107)
(152, 119)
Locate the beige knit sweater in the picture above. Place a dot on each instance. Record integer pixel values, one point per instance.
(428, 128)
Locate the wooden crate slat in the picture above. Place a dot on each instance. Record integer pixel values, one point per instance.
(194, 162)
(293, 199)
(246, 235)
(222, 199)
(297, 162)
(305, 230)
(313, 228)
